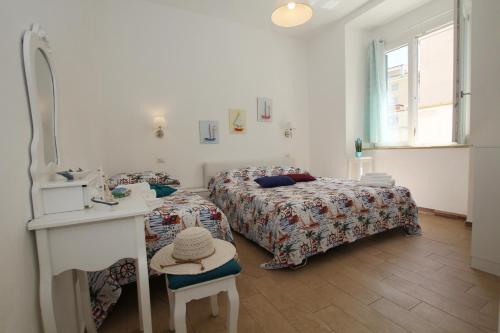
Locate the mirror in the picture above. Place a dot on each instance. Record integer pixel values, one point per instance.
(46, 106)
(41, 83)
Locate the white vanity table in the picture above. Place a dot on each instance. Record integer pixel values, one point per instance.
(68, 235)
(92, 240)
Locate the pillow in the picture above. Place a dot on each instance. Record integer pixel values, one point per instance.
(274, 181)
(162, 190)
(301, 177)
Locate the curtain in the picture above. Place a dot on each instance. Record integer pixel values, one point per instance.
(377, 90)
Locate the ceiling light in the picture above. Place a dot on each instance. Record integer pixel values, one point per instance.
(292, 15)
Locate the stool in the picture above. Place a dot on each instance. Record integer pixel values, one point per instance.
(182, 289)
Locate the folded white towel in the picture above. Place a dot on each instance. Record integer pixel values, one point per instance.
(377, 179)
(377, 184)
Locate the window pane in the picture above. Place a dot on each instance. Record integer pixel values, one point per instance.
(397, 91)
(435, 87)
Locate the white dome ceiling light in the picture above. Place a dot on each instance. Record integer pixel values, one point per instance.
(292, 15)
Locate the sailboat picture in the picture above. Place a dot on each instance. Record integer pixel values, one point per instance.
(209, 132)
(264, 109)
(237, 121)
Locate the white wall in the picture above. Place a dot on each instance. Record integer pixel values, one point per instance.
(155, 58)
(438, 178)
(485, 118)
(327, 102)
(64, 21)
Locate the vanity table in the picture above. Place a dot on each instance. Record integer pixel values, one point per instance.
(92, 240)
(71, 235)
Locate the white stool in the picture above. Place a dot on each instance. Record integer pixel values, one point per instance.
(178, 298)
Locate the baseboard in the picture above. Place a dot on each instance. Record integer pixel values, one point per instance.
(441, 213)
(485, 265)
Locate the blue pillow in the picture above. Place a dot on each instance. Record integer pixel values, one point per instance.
(274, 181)
(181, 281)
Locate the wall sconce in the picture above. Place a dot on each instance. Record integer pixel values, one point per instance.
(289, 129)
(159, 126)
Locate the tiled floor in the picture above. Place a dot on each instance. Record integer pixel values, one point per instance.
(388, 283)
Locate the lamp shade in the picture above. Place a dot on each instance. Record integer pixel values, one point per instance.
(159, 122)
(292, 15)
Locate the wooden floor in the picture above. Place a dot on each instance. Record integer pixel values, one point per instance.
(387, 283)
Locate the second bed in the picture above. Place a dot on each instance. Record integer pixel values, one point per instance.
(298, 221)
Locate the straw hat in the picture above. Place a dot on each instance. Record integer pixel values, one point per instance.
(193, 251)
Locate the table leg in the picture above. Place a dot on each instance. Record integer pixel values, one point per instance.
(86, 303)
(46, 282)
(143, 277)
(138, 285)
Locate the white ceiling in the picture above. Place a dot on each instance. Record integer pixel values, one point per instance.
(388, 11)
(257, 13)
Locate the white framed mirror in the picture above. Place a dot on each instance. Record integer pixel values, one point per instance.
(42, 94)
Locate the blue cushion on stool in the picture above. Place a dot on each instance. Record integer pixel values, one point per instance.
(181, 281)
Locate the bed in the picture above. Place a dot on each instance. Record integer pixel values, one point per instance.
(176, 212)
(299, 221)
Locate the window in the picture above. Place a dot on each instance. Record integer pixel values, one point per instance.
(420, 90)
(397, 99)
(435, 87)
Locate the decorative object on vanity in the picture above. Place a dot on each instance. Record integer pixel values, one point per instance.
(358, 144)
(160, 124)
(209, 132)
(377, 179)
(73, 174)
(66, 239)
(264, 109)
(292, 15)
(150, 177)
(193, 251)
(104, 195)
(289, 127)
(121, 192)
(237, 121)
(198, 266)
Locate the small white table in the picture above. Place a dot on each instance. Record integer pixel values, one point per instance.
(359, 166)
(91, 240)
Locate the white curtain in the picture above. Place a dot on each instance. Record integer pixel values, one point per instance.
(377, 90)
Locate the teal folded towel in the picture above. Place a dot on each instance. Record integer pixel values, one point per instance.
(162, 190)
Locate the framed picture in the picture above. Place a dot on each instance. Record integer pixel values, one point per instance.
(264, 109)
(237, 121)
(209, 132)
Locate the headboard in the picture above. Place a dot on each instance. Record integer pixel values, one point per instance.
(211, 169)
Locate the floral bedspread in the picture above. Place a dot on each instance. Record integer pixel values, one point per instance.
(177, 212)
(298, 221)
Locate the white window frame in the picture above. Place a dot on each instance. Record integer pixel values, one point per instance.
(410, 38)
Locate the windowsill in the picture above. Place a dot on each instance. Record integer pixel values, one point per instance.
(419, 147)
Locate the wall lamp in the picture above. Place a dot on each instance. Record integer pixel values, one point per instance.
(160, 125)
